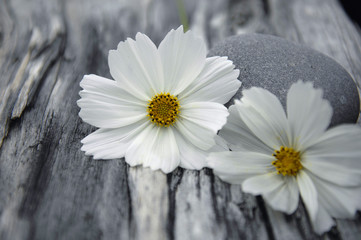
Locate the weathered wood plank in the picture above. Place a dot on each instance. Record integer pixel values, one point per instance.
(50, 190)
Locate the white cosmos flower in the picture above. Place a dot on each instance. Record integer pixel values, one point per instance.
(281, 157)
(165, 106)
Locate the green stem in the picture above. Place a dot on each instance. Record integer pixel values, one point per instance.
(182, 14)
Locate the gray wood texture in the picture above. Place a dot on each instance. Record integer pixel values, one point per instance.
(50, 190)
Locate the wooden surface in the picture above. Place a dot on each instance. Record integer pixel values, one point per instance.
(50, 190)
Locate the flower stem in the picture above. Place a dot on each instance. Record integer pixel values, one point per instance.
(182, 14)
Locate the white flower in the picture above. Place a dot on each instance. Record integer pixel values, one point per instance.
(280, 157)
(165, 106)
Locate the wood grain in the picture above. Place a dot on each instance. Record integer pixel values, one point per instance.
(50, 190)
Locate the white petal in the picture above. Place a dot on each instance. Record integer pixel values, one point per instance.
(156, 148)
(285, 198)
(308, 193)
(308, 113)
(137, 66)
(183, 57)
(144, 142)
(106, 90)
(200, 121)
(199, 136)
(263, 114)
(111, 143)
(239, 136)
(260, 184)
(340, 202)
(339, 145)
(193, 157)
(105, 115)
(281, 193)
(105, 105)
(335, 157)
(207, 114)
(216, 83)
(323, 221)
(332, 172)
(221, 145)
(235, 167)
(165, 149)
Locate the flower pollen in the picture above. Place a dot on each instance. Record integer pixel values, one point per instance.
(163, 109)
(288, 161)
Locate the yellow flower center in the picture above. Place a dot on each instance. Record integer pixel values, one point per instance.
(288, 161)
(163, 109)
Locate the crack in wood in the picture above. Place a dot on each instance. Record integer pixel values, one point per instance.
(173, 180)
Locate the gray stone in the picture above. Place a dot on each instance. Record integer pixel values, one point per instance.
(275, 64)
